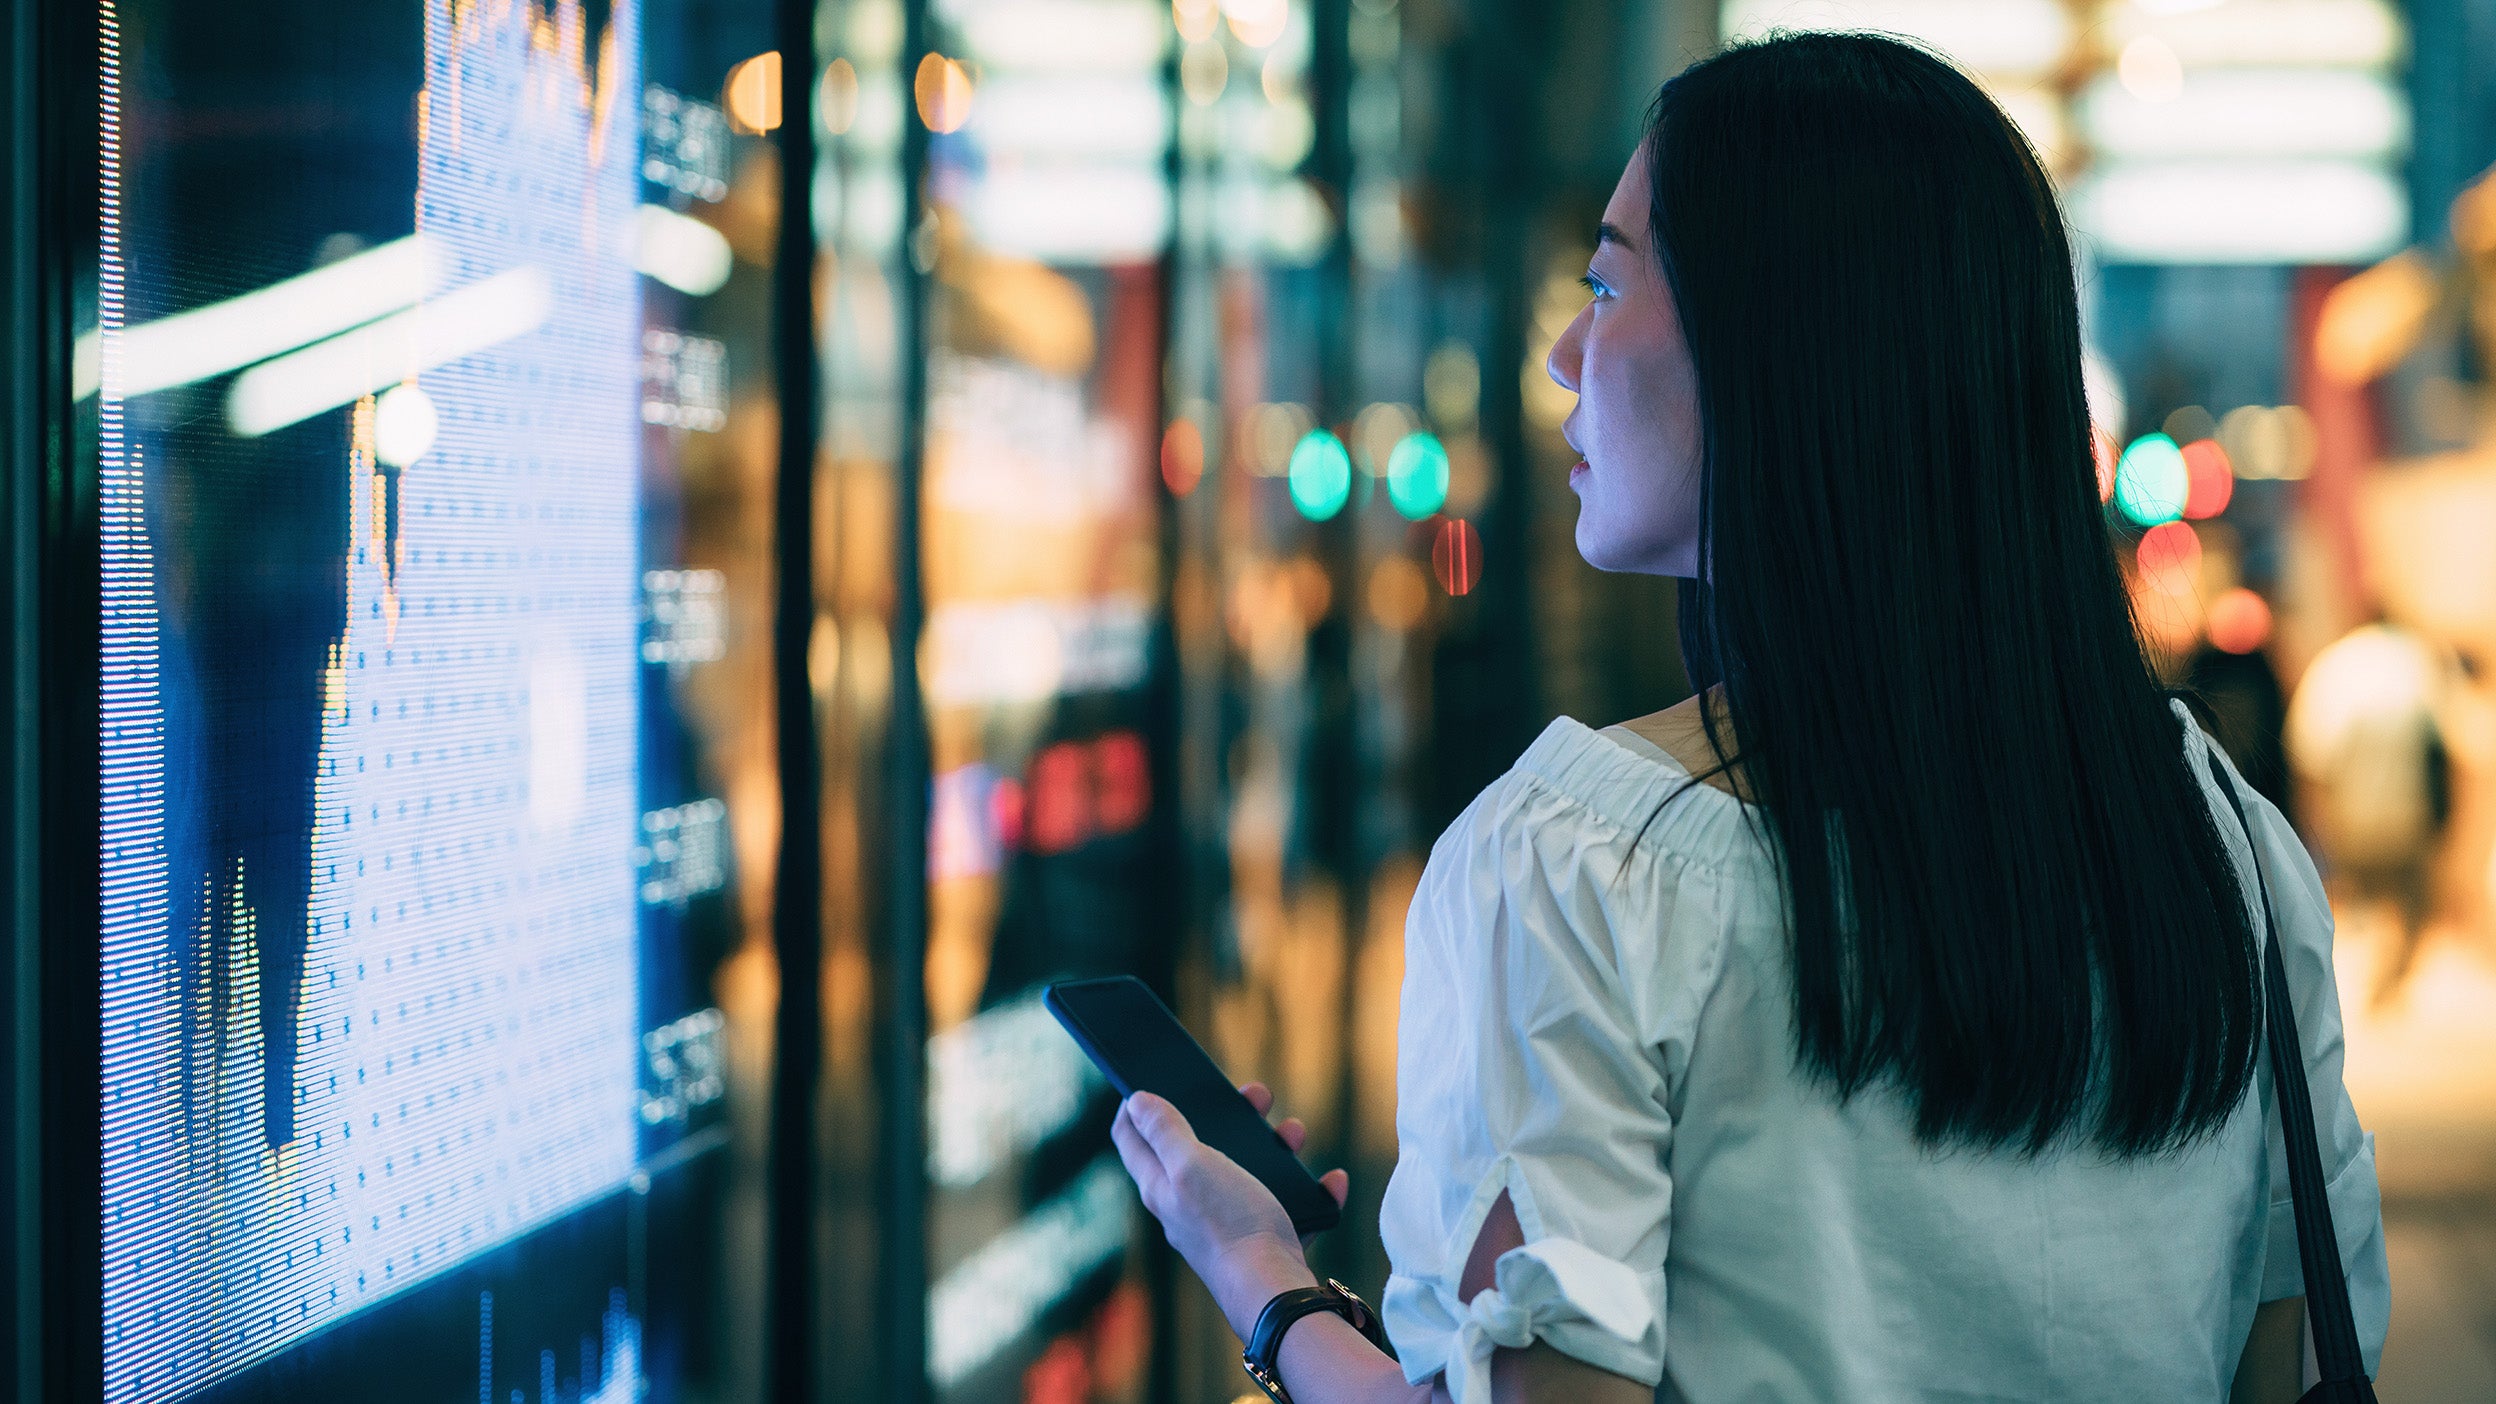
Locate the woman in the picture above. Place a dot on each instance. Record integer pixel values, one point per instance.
(1888, 1026)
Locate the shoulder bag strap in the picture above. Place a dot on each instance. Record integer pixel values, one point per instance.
(2318, 1246)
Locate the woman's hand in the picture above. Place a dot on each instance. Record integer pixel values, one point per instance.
(1222, 1219)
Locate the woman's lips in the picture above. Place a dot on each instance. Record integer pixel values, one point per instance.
(1577, 470)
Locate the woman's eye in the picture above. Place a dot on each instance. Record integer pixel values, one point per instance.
(1593, 285)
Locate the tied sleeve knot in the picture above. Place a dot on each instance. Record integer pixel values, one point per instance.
(1537, 1286)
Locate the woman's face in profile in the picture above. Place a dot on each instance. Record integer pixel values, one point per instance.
(1637, 417)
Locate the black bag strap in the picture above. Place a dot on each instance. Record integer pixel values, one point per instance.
(2336, 1354)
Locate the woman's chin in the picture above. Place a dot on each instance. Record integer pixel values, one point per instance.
(1611, 554)
(1599, 551)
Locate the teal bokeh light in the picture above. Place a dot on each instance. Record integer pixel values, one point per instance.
(2151, 481)
(1417, 476)
(1321, 475)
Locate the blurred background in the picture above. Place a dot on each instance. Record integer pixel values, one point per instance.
(1161, 383)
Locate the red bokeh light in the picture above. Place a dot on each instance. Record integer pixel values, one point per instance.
(1456, 556)
(1182, 457)
(2170, 549)
(1122, 1339)
(2211, 479)
(1074, 792)
(1126, 790)
(2240, 621)
(1005, 809)
(1060, 815)
(1062, 1374)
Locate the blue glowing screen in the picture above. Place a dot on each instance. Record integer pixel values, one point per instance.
(378, 806)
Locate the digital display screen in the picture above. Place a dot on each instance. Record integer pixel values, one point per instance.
(407, 861)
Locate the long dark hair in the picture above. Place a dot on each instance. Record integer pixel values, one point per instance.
(2009, 899)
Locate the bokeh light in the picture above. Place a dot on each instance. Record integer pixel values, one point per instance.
(2269, 442)
(2208, 478)
(2149, 70)
(2151, 482)
(1321, 475)
(752, 94)
(1182, 457)
(1195, 19)
(1204, 70)
(1269, 434)
(2170, 553)
(1456, 556)
(1258, 23)
(943, 91)
(404, 424)
(837, 97)
(1399, 594)
(1417, 476)
(2102, 455)
(2240, 621)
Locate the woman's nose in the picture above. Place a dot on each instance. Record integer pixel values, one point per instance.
(1567, 352)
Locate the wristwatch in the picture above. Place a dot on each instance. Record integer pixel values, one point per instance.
(1265, 1343)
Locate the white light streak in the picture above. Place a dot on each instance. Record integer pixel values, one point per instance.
(339, 371)
(1114, 119)
(999, 1084)
(990, 653)
(1067, 34)
(1074, 214)
(224, 336)
(2251, 112)
(2227, 211)
(1998, 38)
(2324, 33)
(2242, 212)
(996, 1293)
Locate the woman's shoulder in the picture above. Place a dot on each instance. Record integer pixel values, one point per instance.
(1607, 831)
(1581, 787)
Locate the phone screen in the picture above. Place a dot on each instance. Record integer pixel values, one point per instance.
(1140, 1046)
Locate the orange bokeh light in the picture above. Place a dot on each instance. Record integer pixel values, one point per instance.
(2102, 450)
(2210, 479)
(752, 93)
(1182, 457)
(1456, 556)
(943, 91)
(2240, 621)
(2170, 550)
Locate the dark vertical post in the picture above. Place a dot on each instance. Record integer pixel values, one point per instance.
(797, 913)
(21, 472)
(1339, 769)
(901, 1026)
(1170, 912)
(58, 175)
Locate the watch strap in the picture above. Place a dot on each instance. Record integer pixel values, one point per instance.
(1265, 1341)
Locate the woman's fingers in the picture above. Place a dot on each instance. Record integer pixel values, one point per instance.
(1163, 1128)
(1141, 1162)
(1259, 1096)
(1338, 1183)
(1294, 1133)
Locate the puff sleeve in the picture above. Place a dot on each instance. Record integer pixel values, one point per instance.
(1527, 1063)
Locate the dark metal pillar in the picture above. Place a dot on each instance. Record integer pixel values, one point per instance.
(797, 904)
(901, 976)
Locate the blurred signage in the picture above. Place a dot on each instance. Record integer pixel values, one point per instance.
(2248, 131)
(1066, 128)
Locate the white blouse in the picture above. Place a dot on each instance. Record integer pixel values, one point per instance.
(1606, 1034)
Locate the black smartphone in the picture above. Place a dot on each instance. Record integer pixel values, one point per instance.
(1140, 1046)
